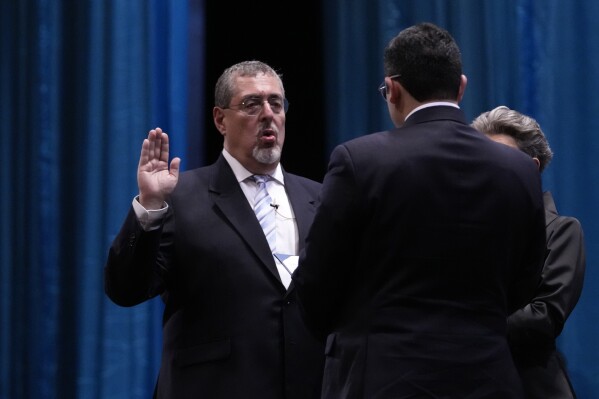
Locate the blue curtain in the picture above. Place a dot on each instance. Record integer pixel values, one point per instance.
(540, 57)
(81, 84)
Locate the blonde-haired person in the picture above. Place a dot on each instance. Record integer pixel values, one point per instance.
(534, 328)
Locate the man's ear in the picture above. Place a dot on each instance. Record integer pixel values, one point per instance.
(463, 83)
(393, 91)
(537, 162)
(218, 116)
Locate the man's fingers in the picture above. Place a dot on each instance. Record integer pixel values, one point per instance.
(155, 147)
(175, 164)
(164, 148)
(152, 140)
(144, 156)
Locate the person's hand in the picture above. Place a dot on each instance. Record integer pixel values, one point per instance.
(154, 177)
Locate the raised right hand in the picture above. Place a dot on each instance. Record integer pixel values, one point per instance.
(154, 178)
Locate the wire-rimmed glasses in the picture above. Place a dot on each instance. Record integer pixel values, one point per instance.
(253, 105)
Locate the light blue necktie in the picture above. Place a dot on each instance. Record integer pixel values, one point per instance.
(264, 211)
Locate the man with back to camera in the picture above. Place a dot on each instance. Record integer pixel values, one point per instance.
(231, 327)
(426, 238)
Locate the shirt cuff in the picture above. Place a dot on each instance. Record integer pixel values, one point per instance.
(149, 219)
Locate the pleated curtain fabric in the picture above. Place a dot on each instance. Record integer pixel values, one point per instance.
(264, 211)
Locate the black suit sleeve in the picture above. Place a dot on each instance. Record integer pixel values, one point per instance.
(134, 270)
(542, 320)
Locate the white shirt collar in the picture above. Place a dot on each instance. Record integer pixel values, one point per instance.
(242, 173)
(433, 104)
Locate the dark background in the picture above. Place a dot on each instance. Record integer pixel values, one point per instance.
(288, 37)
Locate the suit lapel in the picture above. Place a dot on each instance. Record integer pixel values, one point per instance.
(228, 197)
(550, 208)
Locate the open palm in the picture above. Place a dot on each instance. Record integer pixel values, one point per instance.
(154, 177)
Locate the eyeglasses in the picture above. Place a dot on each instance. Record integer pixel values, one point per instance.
(383, 86)
(253, 105)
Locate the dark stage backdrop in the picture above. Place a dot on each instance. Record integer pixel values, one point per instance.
(287, 36)
(81, 83)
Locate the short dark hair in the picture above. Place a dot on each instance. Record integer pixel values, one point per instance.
(226, 86)
(428, 61)
(525, 131)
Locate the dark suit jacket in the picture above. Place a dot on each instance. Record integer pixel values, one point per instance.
(425, 239)
(534, 328)
(230, 328)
